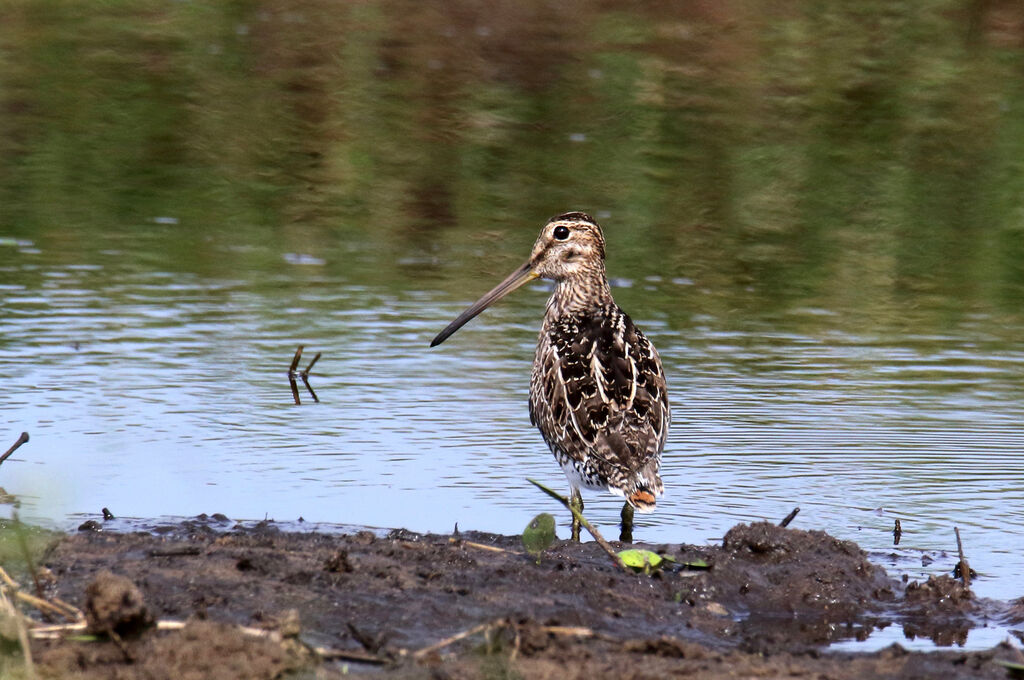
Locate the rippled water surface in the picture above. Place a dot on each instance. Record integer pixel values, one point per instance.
(826, 252)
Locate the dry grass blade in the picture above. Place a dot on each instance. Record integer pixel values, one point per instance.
(54, 606)
(57, 630)
(420, 653)
(573, 631)
(7, 609)
(481, 546)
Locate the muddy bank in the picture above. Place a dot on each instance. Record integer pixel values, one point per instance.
(769, 602)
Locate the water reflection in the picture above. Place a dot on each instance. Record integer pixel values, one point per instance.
(814, 213)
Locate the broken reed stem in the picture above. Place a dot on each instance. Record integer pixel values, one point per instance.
(14, 447)
(311, 364)
(487, 627)
(295, 360)
(481, 546)
(586, 525)
(305, 381)
(789, 518)
(965, 569)
(420, 653)
(56, 605)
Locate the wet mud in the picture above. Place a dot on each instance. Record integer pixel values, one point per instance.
(258, 602)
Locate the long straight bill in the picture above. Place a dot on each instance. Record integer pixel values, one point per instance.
(517, 278)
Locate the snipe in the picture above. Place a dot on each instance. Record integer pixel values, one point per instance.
(597, 392)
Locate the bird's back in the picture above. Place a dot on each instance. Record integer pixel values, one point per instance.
(598, 396)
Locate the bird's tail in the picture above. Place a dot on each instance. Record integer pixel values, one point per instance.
(642, 499)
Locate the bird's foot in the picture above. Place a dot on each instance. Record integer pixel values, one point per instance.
(626, 528)
(576, 503)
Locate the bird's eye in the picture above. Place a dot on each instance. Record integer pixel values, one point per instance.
(561, 232)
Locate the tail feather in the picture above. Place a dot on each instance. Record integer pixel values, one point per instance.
(643, 500)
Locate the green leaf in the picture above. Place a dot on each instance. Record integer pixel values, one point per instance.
(539, 534)
(1016, 669)
(643, 560)
(696, 564)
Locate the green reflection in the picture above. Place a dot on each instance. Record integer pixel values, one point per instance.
(863, 158)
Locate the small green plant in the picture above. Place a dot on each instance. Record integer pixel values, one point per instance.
(645, 561)
(539, 534)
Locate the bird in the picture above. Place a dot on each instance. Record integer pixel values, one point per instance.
(598, 393)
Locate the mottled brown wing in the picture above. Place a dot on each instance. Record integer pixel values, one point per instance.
(598, 396)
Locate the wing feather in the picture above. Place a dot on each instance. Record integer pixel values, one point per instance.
(598, 396)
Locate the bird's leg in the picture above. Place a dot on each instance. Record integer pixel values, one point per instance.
(576, 501)
(626, 528)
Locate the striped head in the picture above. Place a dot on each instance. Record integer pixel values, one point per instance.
(570, 246)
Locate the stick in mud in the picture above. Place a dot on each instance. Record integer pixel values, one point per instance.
(789, 518)
(586, 525)
(295, 360)
(292, 373)
(965, 569)
(420, 653)
(897, 533)
(305, 381)
(14, 447)
(305, 372)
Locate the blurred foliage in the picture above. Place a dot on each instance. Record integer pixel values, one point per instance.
(15, 539)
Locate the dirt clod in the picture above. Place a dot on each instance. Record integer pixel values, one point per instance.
(113, 603)
(942, 591)
(338, 562)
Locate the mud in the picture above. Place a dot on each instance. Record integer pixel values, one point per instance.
(387, 605)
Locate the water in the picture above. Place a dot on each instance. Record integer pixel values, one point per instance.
(826, 251)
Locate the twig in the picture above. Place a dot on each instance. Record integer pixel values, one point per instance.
(121, 646)
(348, 655)
(965, 569)
(481, 546)
(175, 552)
(586, 525)
(574, 631)
(789, 518)
(58, 606)
(295, 360)
(63, 609)
(420, 653)
(309, 368)
(14, 447)
(897, 533)
(305, 381)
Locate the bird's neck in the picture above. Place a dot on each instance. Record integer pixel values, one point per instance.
(579, 294)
